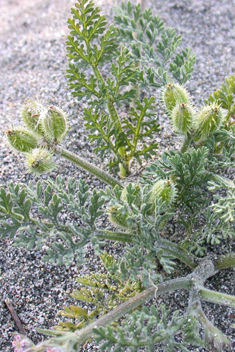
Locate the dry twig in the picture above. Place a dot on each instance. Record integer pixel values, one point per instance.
(15, 317)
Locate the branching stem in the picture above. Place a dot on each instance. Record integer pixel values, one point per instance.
(124, 166)
(102, 175)
(178, 252)
(153, 291)
(225, 261)
(216, 297)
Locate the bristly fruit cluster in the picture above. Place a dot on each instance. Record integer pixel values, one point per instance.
(194, 126)
(44, 128)
(121, 118)
(174, 213)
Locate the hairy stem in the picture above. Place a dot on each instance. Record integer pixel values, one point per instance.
(112, 111)
(216, 297)
(192, 282)
(178, 252)
(169, 247)
(225, 261)
(102, 175)
(124, 166)
(171, 285)
(115, 236)
(186, 143)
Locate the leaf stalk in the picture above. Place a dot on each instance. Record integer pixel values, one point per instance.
(94, 170)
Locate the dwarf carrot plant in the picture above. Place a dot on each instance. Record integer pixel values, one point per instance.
(120, 120)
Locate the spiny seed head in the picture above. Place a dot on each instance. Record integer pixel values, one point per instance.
(182, 117)
(117, 217)
(163, 190)
(40, 161)
(33, 113)
(55, 124)
(209, 119)
(22, 139)
(174, 94)
(136, 192)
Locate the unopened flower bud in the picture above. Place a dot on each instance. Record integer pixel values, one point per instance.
(182, 118)
(117, 217)
(33, 113)
(22, 139)
(55, 124)
(174, 94)
(162, 190)
(40, 161)
(209, 119)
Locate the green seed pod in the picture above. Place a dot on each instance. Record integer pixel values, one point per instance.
(117, 217)
(136, 192)
(40, 161)
(182, 118)
(174, 94)
(209, 119)
(163, 190)
(32, 113)
(22, 139)
(55, 124)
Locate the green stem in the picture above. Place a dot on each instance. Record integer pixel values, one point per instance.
(178, 252)
(214, 339)
(216, 297)
(186, 142)
(203, 318)
(102, 175)
(86, 333)
(136, 87)
(191, 282)
(168, 286)
(169, 247)
(225, 261)
(115, 236)
(111, 107)
(124, 166)
(112, 111)
(138, 128)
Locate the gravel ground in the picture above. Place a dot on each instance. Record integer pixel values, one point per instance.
(33, 63)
